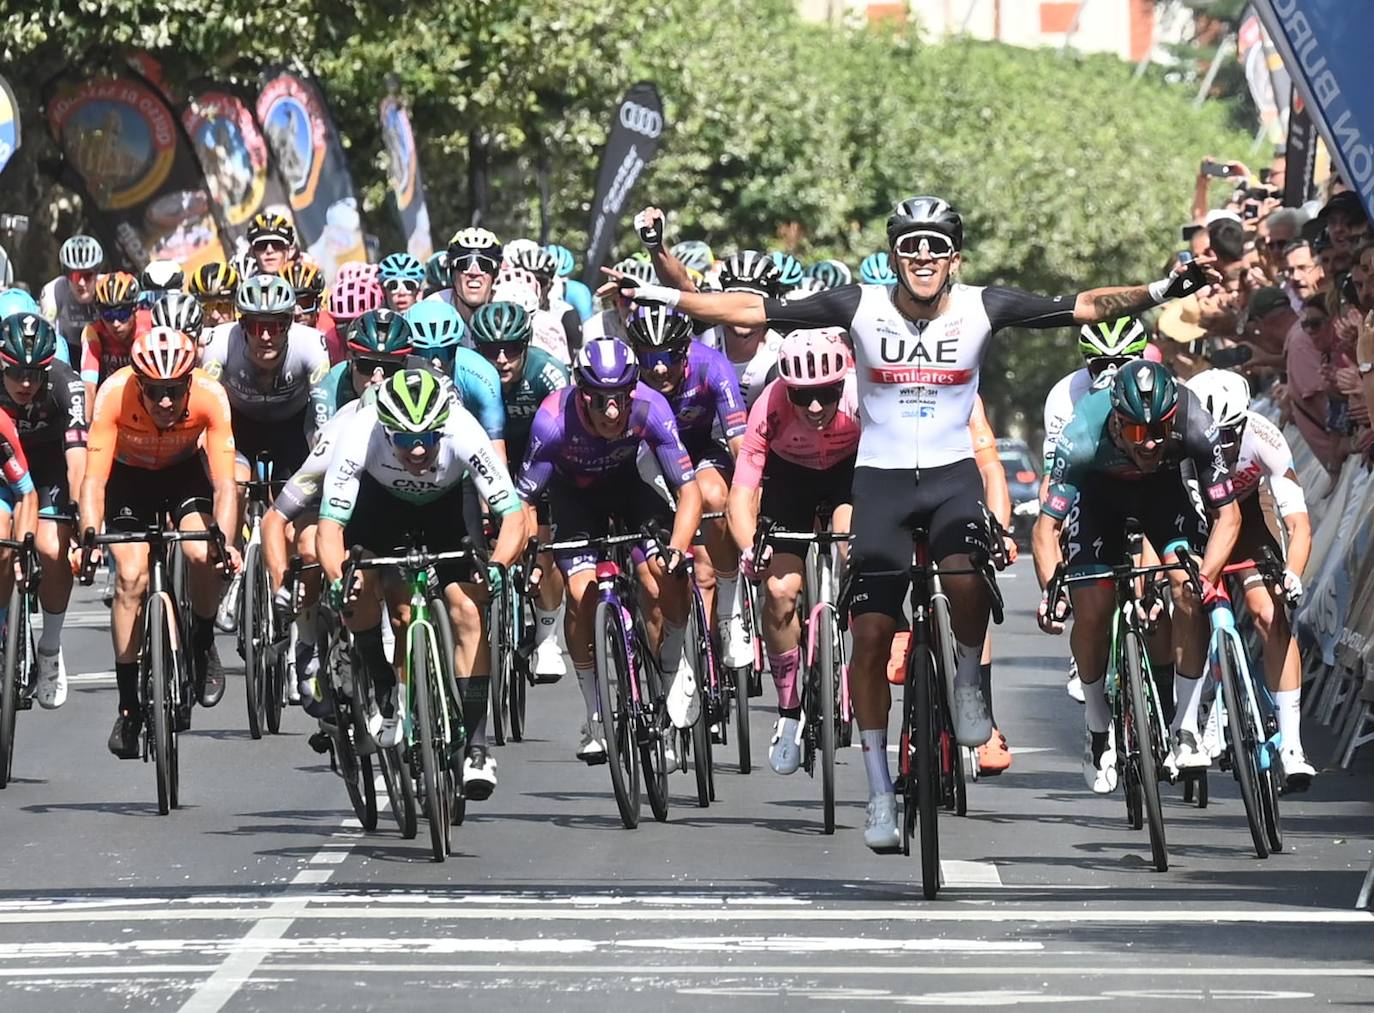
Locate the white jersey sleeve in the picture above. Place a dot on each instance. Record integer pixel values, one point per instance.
(343, 476)
(1265, 453)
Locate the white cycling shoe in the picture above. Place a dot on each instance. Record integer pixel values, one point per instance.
(880, 824)
(1297, 772)
(592, 748)
(1099, 772)
(1187, 754)
(785, 755)
(51, 691)
(684, 702)
(548, 661)
(736, 650)
(391, 729)
(671, 764)
(972, 726)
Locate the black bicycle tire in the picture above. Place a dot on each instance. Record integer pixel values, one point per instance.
(1269, 803)
(498, 641)
(737, 680)
(698, 641)
(9, 703)
(517, 680)
(400, 790)
(826, 688)
(435, 805)
(617, 721)
(922, 673)
(1244, 742)
(1142, 720)
(274, 699)
(155, 650)
(456, 803)
(248, 637)
(653, 761)
(363, 800)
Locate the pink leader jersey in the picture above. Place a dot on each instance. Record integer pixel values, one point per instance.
(775, 427)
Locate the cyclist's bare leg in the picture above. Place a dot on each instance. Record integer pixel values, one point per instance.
(1089, 641)
(1282, 664)
(206, 583)
(6, 559)
(782, 588)
(126, 614)
(471, 656)
(1160, 645)
(872, 633)
(719, 552)
(969, 608)
(55, 590)
(578, 627)
(1190, 649)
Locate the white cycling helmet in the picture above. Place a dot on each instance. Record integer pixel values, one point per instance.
(1226, 395)
(81, 253)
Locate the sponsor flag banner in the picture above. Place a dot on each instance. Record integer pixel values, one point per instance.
(127, 154)
(233, 153)
(1300, 159)
(634, 137)
(9, 124)
(403, 176)
(1325, 44)
(310, 158)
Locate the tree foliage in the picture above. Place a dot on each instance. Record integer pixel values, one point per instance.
(1070, 171)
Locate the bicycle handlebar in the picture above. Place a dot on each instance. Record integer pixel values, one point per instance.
(151, 536)
(30, 565)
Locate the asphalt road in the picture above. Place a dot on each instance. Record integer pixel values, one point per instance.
(262, 893)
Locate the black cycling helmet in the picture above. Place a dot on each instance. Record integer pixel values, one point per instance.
(659, 327)
(27, 340)
(926, 214)
(1144, 392)
(750, 271)
(500, 322)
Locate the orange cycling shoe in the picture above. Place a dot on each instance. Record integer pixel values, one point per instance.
(896, 661)
(993, 755)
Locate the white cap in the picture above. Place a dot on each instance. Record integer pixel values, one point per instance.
(1221, 215)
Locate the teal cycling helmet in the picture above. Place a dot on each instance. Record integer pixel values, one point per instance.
(501, 322)
(830, 274)
(1122, 338)
(435, 325)
(876, 269)
(437, 275)
(562, 260)
(380, 334)
(400, 267)
(1143, 392)
(790, 273)
(27, 341)
(16, 300)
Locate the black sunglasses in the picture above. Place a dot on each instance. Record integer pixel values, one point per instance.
(368, 366)
(459, 264)
(493, 350)
(172, 390)
(803, 397)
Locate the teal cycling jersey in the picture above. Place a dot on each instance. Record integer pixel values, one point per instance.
(479, 386)
(542, 375)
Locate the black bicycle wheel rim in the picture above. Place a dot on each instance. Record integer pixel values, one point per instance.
(351, 767)
(1244, 745)
(274, 697)
(825, 689)
(1141, 727)
(617, 722)
(738, 681)
(925, 737)
(654, 728)
(155, 649)
(697, 641)
(400, 790)
(516, 684)
(499, 639)
(9, 704)
(248, 636)
(434, 803)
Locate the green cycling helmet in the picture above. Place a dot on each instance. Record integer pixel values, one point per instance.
(500, 322)
(1122, 338)
(380, 334)
(414, 401)
(1144, 392)
(27, 341)
(437, 275)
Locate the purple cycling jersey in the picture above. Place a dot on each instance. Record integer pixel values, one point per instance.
(563, 444)
(709, 393)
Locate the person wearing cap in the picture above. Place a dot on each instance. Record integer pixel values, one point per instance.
(1345, 220)
(1180, 326)
(1269, 318)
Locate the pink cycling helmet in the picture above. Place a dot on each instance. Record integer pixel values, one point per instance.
(813, 358)
(354, 295)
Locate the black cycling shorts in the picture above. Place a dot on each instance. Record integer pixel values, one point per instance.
(793, 494)
(889, 504)
(384, 524)
(137, 498)
(48, 469)
(284, 443)
(586, 512)
(708, 453)
(1095, 528)
(1255, 535)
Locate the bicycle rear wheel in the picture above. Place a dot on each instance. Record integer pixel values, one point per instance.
(925, 738)
(1244, 743)
(653, 730)
(617, 718)
(422, 675)
(1269, 792)
(275, 655)
(160, 670)
(16, 637)
(254, 675)
(500, 640)
(825, 689)
(699, 642)
(400, 790)
(1141, 731)
(355, 770)
(737, 686)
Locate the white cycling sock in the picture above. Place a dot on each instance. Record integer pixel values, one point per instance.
(1188, 692)
(545, 624)
(586, 681)
(966, 664)
(1096, 711)
(50, 642)
(1288, 705)
(727, 597)
(875, 761)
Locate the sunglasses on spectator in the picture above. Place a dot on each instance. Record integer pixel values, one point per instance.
(496, 350)
(1139, 432)
(367, 366)
(480, 261)
(406, 442)
(804, 397)
(270, 246)
(601, 400)
(652, 358)
(116, 314)
(171, 390)
(81, 276)
(27, 374)
(924, 244)
(1312, 324)
(401, 285)
(266, 326)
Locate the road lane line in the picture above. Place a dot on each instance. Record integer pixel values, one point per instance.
(957, 873)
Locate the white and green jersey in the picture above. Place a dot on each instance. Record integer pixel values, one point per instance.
(365, 449)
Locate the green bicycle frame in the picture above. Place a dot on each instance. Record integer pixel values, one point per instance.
(1116, 658)
(421, 625)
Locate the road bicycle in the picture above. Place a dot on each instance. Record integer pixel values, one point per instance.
(266, 667)
(20, 676)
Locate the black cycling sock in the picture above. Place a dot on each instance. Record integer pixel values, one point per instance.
(790, 712)
(1099, 746)
(475, 690)
(985, 684)
(368, 644)
(202, 633)
(1164, 682)
(126, 676)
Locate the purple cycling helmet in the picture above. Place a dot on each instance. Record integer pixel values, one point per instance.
(605, 364)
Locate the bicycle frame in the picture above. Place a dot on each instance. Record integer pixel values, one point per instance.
(1258, 700)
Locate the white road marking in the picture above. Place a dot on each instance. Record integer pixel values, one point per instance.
(91, 678)
(955, 873)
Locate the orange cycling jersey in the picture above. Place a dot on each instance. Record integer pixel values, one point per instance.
(122, 430)
(984, 439)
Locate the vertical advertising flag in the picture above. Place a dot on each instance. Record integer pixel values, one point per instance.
(1300, 159)
(635, 134)
(9, 124)
(1325, 48)
(310, 158)
(135, 168)
(403, 176)
(239, 171)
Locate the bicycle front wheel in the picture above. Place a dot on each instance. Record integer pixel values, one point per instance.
(1141, 732)
(400, 790)
(254, 656)
(160, 670)
(500, 641)
(16, 639)
(421, 652)
(825, 688)
(925, 741)
(517, 678)
(275, 657)
(1244, 741)
(653, 728)
(617, 717)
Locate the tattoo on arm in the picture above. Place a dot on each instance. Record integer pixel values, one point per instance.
(1110, 303)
